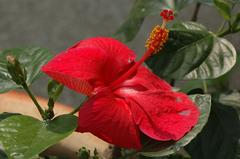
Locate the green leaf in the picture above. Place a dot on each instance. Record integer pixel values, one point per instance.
(32, 58)
(3, 154)
(204, 104)
(236, 21)
(219, 138)
(5, 115)
(224, 8)
(231, 99)
(192, 52)
(141, 9)
(24, 136)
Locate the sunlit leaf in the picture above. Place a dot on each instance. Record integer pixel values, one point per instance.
(24, 136)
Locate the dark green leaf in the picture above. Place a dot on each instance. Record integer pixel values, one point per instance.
(236, 21)
(210, 2)
(232, 99)
(6, 115)
(192, 52)
(24, 136)
(204, 104)
(224, 8)
(32, 59)
(219, 138)
(141, 9)
(3, 155)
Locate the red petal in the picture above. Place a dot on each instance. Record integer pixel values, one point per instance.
(76, 68)
(111, 120)
(90, 63)
(146, 79)
(162, 115)
(119, 56)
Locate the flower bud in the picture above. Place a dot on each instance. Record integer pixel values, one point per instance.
(18, 74)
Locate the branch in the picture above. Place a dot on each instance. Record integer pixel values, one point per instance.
(196, 11)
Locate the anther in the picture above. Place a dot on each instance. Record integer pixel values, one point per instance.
(159, 34)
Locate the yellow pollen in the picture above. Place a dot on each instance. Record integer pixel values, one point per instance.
(157, 39)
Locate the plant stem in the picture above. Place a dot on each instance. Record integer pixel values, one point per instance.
(77, 108)
(196, 11)
(228, 31)
(41, 111)
(205, 87)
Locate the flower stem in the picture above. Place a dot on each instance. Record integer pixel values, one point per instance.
(196, 11)
(41, 111)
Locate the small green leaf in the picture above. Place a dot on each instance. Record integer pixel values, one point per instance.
(32, 59)
(54, 89)
(141, 9)
(204, 104)
(192, 52)
(24, 136)
(224, 8)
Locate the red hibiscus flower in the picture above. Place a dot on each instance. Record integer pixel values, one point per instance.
(125, 98)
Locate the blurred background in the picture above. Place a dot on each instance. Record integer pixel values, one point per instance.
(57, 24)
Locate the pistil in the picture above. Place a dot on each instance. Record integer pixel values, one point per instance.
(154, 44)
